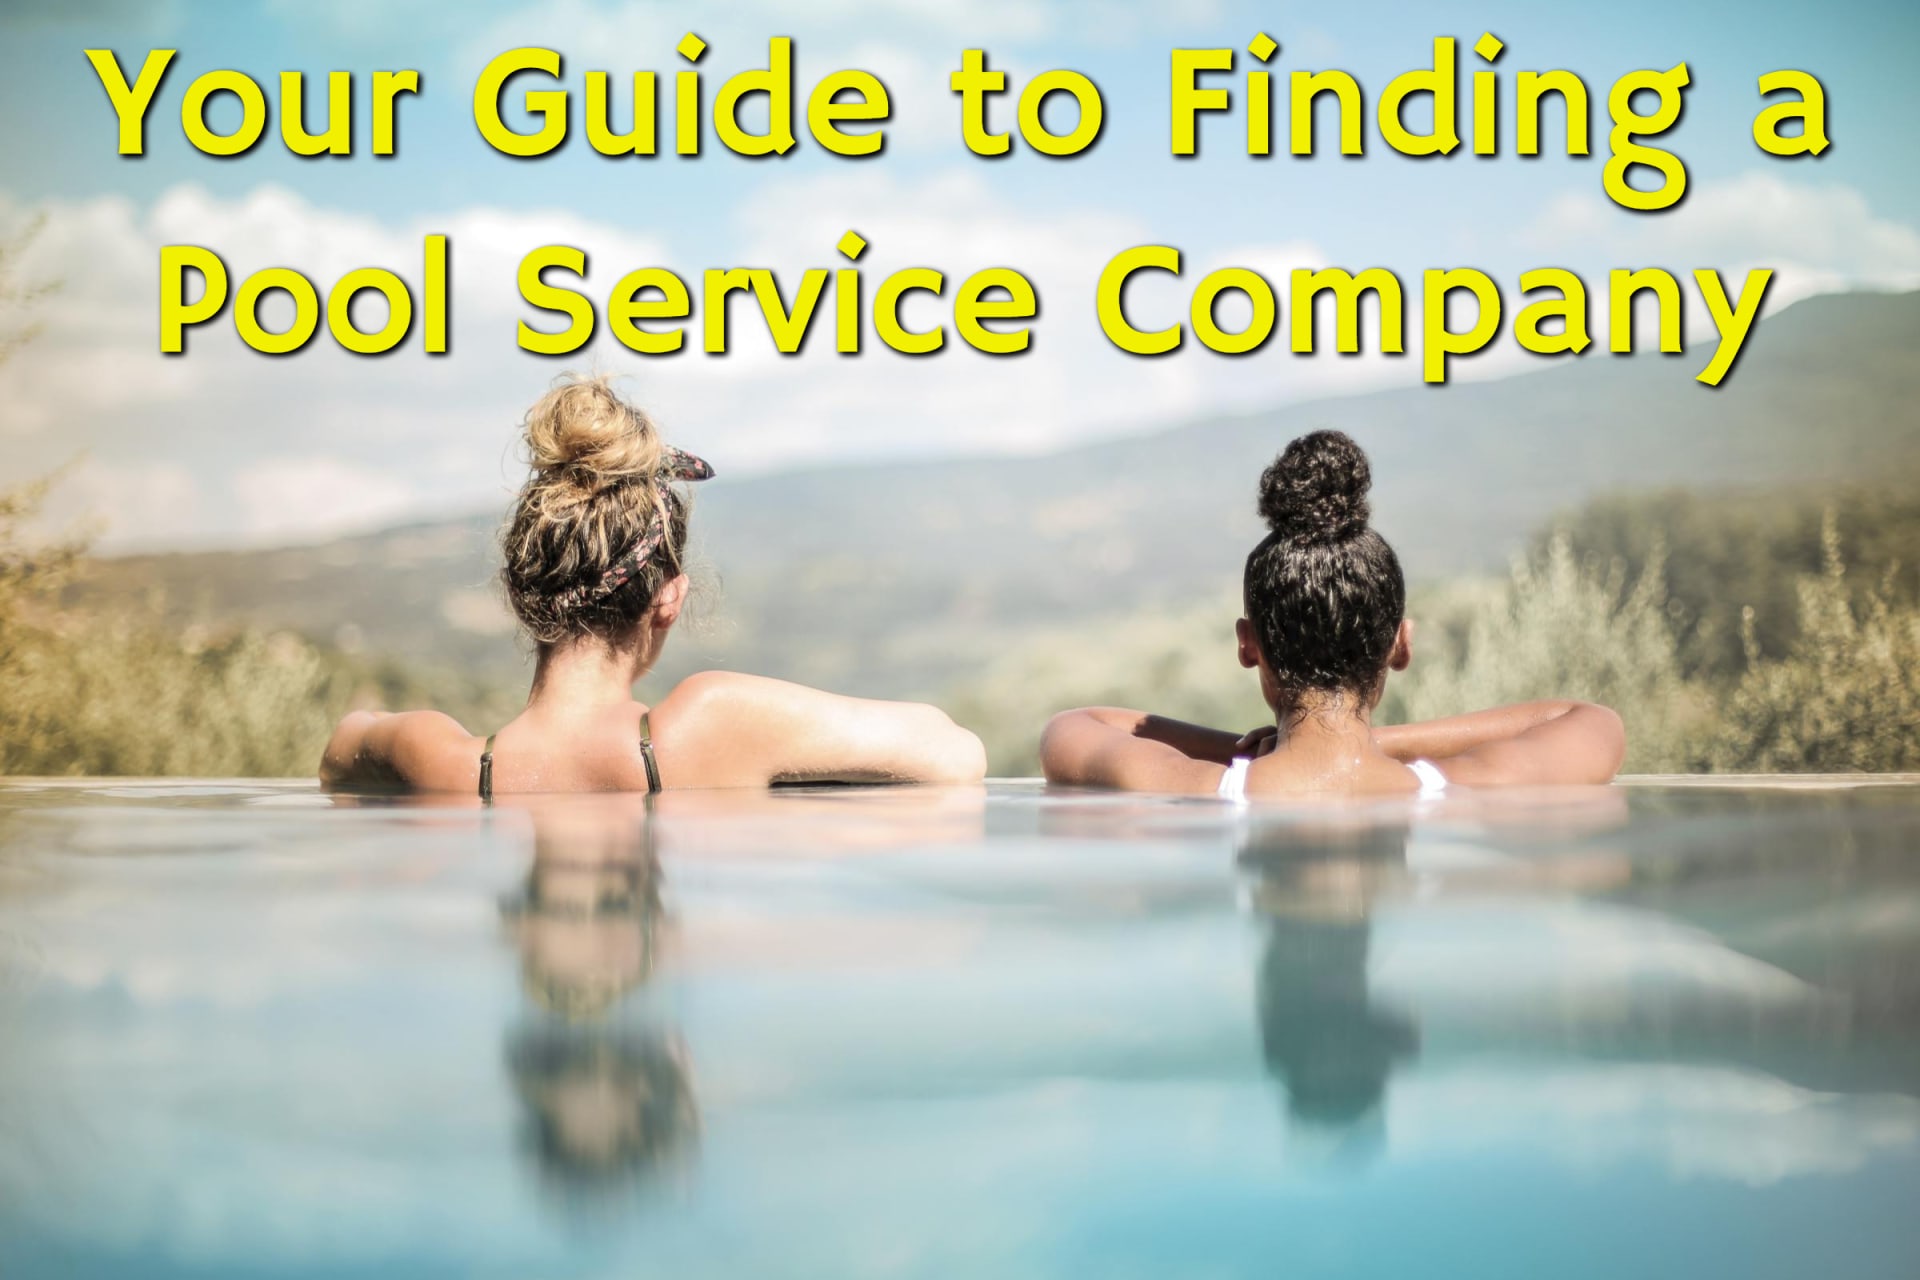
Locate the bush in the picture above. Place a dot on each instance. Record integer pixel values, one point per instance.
(1843, 696)
(1725, 553)
(1846, 697)
(88, 693)
(100, 696)
(1564, 628)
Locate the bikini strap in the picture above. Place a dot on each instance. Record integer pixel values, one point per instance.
(1233, 783)
(486, 770)
(1433, 783)
(646, 753)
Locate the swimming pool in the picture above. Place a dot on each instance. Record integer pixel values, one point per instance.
(1655, 1030)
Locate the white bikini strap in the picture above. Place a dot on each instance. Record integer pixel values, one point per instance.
(1432, 781)
(1233, 783)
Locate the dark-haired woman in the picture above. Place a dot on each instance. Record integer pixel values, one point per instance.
(1325, 622)
(593, 571)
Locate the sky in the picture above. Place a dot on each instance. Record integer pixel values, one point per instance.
(228, 446)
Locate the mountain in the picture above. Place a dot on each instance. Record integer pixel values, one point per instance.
(899, 578)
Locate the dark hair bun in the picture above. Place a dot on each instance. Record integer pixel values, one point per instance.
(1316, 490)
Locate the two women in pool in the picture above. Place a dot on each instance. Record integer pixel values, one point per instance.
(594, 570)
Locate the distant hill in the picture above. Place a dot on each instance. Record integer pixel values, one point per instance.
(897, 578)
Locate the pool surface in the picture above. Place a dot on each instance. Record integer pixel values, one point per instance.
(1647, 1031)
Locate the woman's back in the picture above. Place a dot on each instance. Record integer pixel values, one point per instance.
(715, 729)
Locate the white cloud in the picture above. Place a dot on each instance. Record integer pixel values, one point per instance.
(406, 434)
(244, 428)
(924, 116)
(209, 428)
(1817, 239)
(310, 496)
(159, 500)
(736, 34)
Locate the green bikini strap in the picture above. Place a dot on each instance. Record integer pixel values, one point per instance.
(646, 752)
(486, 770)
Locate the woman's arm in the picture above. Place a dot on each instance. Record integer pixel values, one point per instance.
(731, 730)
(383, 749)
(1133, 751)
(347, 759)
(1527, 743)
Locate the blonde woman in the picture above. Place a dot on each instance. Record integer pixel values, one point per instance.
(594, 571)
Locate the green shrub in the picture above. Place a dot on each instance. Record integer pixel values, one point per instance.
(1725, 553)
(91, 693)
(1842, 695)
(1847, 695)
(1564, 627)
(100, 696)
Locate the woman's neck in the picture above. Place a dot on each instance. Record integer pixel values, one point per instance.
(587, 673)
(1331, 731)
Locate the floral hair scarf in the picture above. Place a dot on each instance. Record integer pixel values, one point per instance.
(676, 465)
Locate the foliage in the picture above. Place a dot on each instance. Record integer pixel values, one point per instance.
(1726, 553)
(98, 693)
(1847, 695)
(18, 296)
(29, 567)
(1840, 692)
(1566, 628)
(100, 696)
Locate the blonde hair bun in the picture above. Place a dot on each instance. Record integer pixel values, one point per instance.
(582, 426)
(598, 489)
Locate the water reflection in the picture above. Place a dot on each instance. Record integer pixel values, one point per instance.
(606, 1099)
(1654, 936)
(587, 917)
(817, 822)
(603, 1106)
(1326, 1039)
(852, 1033)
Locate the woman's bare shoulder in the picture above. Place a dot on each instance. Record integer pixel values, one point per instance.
(707, 696)
(716, 707)
(412, 748)
(708, 685)
(712, 729)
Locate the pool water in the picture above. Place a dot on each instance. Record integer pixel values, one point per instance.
(1647, 1031)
